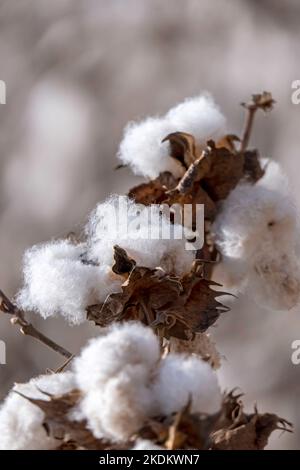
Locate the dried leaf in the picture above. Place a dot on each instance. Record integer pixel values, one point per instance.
(183, 148)
(176, 306)
(217, 169)
(58, 425)
(123, 264)
(237, 430)
(225, 171)
(153, 192)
(253, 435)
(198, 196)
(228, 141)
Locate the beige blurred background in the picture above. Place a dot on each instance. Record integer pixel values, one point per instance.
(76, 73)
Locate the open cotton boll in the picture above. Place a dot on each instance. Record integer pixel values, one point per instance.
(119, 221)
(114, 372)
(142, 146)
(126, 346)
(181, 378)
(56, 281)
(199, 116)
(21, 421)
(256, 231)
(253, 217)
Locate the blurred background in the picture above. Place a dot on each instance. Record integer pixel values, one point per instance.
(76, 72)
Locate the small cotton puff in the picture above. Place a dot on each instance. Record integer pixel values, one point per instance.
(257, 233)
(21, 421)
(119, 221)
(142, 146)
(56, 281)
(182, 378)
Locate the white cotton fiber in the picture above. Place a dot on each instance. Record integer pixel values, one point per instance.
(130, 344)
(111, 224)
(256, 232)
(119, 408)
(142, 148)
(181, 378)
(56, 281)
(21, 421)
(114, 373)
(200, 117)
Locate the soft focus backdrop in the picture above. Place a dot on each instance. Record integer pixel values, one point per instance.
(76, 73)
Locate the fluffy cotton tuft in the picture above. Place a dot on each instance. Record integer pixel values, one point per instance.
(21, 421)
(182, 378)
(114, 372)
(56, 281)
(142, 146)
(120, 408)
(256, 232)
(130, 344)
(200, 117)
(124, 382)
(115, 222)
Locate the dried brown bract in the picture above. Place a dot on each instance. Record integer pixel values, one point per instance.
(176, 306)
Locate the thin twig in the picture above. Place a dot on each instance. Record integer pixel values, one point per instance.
(248, 126)
(64, 365)
(263, 101)
(18, 318)
(185, 184)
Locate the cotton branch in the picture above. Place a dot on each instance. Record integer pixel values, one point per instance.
(18, 318)
(262, 101)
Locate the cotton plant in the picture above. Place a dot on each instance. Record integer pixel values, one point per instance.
(148, 379)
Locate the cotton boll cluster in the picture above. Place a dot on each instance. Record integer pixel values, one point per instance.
(142, 146)
(123, 382)
(133, 226)
(57, 282)
(256, 232)
(21, 421)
